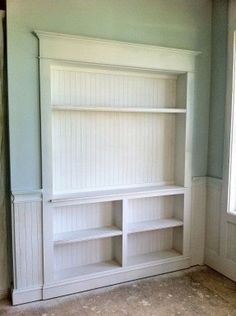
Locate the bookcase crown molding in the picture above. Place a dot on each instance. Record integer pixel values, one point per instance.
(84, 49)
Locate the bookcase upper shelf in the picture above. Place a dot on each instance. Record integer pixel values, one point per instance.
(117, 194)
(118, 109)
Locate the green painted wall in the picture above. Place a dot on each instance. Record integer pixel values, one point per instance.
(174, 23)
(218, 87)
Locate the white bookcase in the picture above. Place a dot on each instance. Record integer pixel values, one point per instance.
(116, 155)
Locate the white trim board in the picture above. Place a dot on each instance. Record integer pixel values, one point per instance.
(107, 52)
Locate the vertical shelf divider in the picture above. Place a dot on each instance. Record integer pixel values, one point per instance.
(125, 208)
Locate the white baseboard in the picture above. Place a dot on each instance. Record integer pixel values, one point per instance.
(78, 285)
(220, 264)
(26, 295)
(124, 275)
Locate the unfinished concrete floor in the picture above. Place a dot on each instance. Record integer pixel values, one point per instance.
(196, 291)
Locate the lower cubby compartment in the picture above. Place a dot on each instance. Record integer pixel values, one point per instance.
(155, 213)
(87, 257)
(145, 247)
(76, 223)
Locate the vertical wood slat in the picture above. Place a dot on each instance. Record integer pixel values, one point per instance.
(80, 87)
(105, 150)
(148, 242)
(231, 242)
(72, 218)
(87, 252)
(28, 244)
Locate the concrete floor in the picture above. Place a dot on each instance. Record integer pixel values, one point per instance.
(196, 291)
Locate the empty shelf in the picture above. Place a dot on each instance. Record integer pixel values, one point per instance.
(89, 269)
(116, 194)
(153, 225)
(153, 256)
(118, 109)
(86, 234)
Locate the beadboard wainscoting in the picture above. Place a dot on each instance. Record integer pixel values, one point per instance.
(27, 238)
(220, 252)
(199, 199)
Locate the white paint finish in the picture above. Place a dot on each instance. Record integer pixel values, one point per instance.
(120, 109)
(198, 220)
(220, 231)
(88, 269)
(99, 51)
(115, 276)
(86, 216)
(152, 257)
(213, 214)
(231, 242)
(84, 253)
(151, 241)
(83, 88)
(26, 196)
(116, 194)
(27, 244)
(86, 234)
(154, 208)
(21, 296)
(104, 156)
(221, 264)
(119, 150)
(153, 225)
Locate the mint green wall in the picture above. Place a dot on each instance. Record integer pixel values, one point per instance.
(218, 87)
(174, 23)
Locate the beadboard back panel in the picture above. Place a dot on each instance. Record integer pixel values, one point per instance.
(85, 216)
(105, 150)
(85, 253)
(149, 242)
(91, 87)
(153, 208)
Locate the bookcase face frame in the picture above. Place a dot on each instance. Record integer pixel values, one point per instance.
(130, 156)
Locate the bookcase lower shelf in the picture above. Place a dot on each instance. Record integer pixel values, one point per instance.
(89, 269)
(112, 266)
(148, 258)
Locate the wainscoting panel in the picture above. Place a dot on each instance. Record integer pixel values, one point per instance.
(199, 198)
(27, 245)
(217, 238)
(214, 187)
